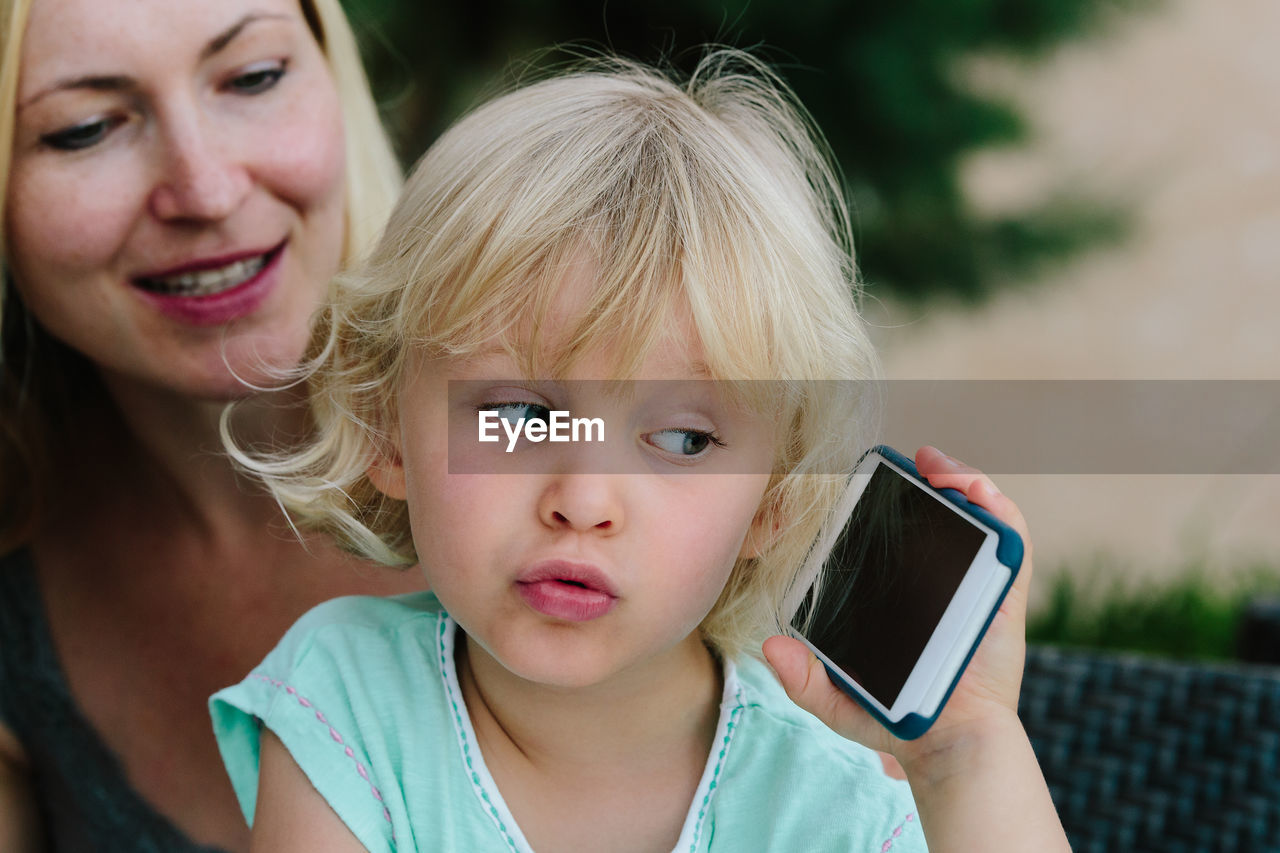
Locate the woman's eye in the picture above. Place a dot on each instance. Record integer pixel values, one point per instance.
(257, 78)
(84, 135)
(515, 412)
(683, 442)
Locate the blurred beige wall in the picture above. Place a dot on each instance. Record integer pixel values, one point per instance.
(1176, 114)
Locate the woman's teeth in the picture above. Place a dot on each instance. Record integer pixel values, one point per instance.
(206, 282)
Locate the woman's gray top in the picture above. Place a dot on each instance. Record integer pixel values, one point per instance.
(85, 800)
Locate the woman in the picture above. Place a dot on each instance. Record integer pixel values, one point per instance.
(179, 182)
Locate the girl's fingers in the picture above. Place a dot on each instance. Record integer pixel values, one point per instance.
(944, 472)
(805, 680)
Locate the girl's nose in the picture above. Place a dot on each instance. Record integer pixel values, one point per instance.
(198, 179)
(583, 503)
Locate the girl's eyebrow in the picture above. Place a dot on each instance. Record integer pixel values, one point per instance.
(120, 82)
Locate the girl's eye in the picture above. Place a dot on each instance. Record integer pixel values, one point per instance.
(83, 135)
(684, 442)
(515, 412)
(257, 78)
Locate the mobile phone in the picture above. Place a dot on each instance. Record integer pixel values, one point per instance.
(913, 582)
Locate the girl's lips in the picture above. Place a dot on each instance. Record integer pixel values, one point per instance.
(181, 293)
(573, 592)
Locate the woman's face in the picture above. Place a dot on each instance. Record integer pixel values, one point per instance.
(175, 205)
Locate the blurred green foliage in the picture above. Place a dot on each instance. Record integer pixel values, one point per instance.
(1193, 614)
(881, 79)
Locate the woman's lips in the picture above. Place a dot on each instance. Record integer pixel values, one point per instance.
(572, 592)
(208, 281)
(216, 292)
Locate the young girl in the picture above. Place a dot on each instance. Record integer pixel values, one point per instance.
(672, 263)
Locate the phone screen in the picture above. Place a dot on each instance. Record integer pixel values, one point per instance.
(893, 571)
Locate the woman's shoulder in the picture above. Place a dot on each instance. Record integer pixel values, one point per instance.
(26, 650)
(17, 579)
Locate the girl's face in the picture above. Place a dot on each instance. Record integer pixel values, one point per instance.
(574, 563)
(175, 205)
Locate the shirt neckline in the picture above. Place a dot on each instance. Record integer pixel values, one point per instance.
(486, 789)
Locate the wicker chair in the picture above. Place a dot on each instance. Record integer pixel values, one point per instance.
(1147, 754)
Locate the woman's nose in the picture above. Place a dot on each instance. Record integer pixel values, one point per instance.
(583, 503)
(198, 178)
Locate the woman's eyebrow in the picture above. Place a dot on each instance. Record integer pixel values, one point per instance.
(228, 35)
(94, 82)
(120, 82)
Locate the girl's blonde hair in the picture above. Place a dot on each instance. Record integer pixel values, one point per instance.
(35, 369)
(713, 197)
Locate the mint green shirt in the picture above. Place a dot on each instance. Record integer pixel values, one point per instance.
(364, 694)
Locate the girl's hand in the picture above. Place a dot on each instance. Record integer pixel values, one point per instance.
(975, 779)
(986, 698)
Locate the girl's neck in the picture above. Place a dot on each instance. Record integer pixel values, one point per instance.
(638, 710)
(631, 752)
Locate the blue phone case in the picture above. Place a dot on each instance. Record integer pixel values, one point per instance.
(1008, 551)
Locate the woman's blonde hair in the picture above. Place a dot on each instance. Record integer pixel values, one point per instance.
(713, 197)
(32, 364)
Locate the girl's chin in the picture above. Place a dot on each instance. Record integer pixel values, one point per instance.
(558, 672)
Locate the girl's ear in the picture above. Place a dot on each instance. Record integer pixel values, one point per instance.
(386, 472)
(763, 531)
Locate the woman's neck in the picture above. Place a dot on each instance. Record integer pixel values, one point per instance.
(630, 752)
(178, 458)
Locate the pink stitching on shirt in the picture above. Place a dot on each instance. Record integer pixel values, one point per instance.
(897, 830)
(333, 733)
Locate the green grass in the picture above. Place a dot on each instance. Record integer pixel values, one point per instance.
(1195, 615)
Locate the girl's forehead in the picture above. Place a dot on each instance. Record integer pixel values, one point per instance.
(564, 333)
(676, 355)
